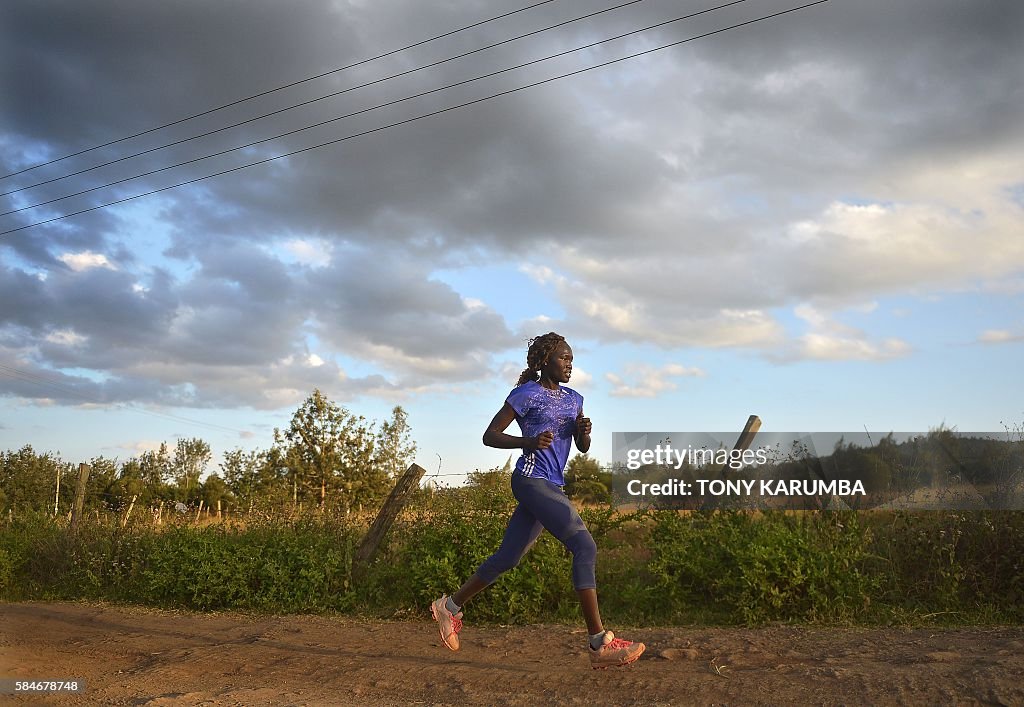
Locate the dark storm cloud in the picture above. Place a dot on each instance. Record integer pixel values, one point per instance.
(527, 166)
(403, 318)
(665, 187)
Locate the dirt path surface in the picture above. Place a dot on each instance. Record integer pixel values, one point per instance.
(133, 656)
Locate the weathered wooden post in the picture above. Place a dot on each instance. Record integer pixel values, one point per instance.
(742, 444)
(56, 494)
(382, 523)
(128, 513)
(76, 510)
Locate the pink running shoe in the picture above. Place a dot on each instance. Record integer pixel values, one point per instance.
(614, 652)
(448, 624)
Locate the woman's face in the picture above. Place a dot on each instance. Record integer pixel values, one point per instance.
(558, 367)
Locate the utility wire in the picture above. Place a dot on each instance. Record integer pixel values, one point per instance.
(281, 88)
(25, 376)
(367, 110)
(402, 122)
(320, 98)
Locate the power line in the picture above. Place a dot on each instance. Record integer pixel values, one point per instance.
(367, 110)
(320, 98)
(281, 88)
(401, 122)
(25, 376)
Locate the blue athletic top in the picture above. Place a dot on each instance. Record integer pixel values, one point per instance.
(539, 410)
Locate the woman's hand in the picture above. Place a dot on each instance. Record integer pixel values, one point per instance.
(583, 425)
(582, 435)
(541, 441)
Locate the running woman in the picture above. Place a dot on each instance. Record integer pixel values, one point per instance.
(550, 415)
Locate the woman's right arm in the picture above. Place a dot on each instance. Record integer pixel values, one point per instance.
(494, 435)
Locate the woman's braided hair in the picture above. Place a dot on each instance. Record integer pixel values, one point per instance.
(541, 348)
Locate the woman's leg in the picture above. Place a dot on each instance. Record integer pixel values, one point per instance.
(555, 512)
(521, 533)
(591, 612)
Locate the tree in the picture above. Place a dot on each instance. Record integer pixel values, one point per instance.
(28, 480)
(253, 476)
(130, 484)
(101, 489)
(395, 449)
(584, 480)
(190, 459)
(155, 466)
(213, 489)
(327, 448)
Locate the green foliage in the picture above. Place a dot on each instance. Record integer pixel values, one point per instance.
(189, 462)
(654, 567)
(328, 453)
(28, 480)
(586, 482)
(287, 565)
(394, 449)
(952, 562)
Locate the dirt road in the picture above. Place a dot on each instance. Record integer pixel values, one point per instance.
(132, 656)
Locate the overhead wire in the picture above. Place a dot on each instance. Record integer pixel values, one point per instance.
(281, 88)
(371, 108)
(408, 120)
(333, 94)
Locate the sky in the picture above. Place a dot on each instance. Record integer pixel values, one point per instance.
(816, 218)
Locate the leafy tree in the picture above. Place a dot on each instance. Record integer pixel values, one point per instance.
(327, 448)
(190, 459)
(155, 466)
(213, 489)
(254, 476)
(395, 449)
(101, 488)
(584, 480)
(28, 480)
(129, 484)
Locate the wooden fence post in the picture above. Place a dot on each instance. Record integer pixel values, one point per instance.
(382, 523)
(76, 511)
(56, 494)
(742, 444)
(128, 513)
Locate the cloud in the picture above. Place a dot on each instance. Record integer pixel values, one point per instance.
(390, 311)
(848, 153)
(649, 382)
(999, 336)
(141, 446)
(236, 330)
(65, 337)
(85, 260)
(823, 347)
(309, 252)
(581, 379)
(831, 340)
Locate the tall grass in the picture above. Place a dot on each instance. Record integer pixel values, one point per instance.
(654, 567)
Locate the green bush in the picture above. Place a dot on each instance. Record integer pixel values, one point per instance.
(951, 562)
(733, 566)
(654, 567)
